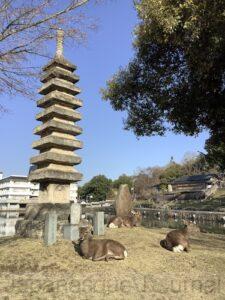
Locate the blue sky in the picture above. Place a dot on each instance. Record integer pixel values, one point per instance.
(108, 149)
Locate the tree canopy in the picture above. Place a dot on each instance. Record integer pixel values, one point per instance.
(96, 189)
(123, 179)
(176, 80)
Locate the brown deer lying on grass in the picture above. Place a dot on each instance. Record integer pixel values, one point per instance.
(97, 250)
(134, 219)
(178, 240)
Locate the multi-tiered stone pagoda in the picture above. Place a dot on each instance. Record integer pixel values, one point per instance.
(55, 162)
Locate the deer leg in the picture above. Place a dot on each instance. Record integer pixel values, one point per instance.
(187, 248)
(119, 257)
(108, 257)
(98, 258)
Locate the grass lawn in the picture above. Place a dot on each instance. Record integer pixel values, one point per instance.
(28, 270)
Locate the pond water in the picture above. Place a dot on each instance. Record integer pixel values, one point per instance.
(150, 219)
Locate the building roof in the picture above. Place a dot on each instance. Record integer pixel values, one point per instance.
(194, 179)
(23, 177)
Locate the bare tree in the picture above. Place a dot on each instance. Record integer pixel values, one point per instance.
(25, 26)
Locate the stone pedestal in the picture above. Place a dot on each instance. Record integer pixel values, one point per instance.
(99, 227)
(123, 203)
(54, 193)
(50, 229)
(71, 232)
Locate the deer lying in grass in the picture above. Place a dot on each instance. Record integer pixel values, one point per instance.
(134, 219)
(178, 240)
(97, 250)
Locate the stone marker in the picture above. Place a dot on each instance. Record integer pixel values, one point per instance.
(75, 213)
(123, 203)
(99, 227)
(170, 188)
(50, 229)
(71, 231)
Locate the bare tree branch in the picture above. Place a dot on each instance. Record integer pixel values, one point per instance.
(25, 27)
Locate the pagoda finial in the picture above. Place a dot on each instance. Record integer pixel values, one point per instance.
(60, 42)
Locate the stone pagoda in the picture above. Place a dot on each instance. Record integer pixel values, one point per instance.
(54, 165)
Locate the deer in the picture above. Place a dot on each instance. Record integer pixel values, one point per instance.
(178, 240)
(134, 219)
(97, 250)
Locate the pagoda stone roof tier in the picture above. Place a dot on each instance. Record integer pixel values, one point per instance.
(58, 158)
(57, 97)
(58, 112)
(48, 175)
(57, 142)
(59, 85)
(57, 72)
(60, 62)
(57, 126)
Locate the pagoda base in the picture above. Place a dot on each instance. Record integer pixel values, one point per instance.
(54, 193)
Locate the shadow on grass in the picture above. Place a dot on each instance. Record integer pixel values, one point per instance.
(209, 243)
(8, 240)
(77, 249)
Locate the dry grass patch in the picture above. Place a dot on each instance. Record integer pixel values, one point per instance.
(31, 271)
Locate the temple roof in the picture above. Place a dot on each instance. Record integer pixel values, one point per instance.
(43, 175)
(53, 125)
(61, 98)
(60, 112)
(52, 157)
(57, 142)
(60, 62)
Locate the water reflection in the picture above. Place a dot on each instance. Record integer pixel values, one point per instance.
(152, 219)
(8, 221)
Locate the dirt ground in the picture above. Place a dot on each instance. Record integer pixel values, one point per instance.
(28, 270)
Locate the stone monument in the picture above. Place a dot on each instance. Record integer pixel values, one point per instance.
(99, 227)
(123, 203)
(56, 159)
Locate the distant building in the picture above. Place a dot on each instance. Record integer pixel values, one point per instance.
(16, 189)
(195, 182)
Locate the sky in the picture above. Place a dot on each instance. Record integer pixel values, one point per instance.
(108, 148)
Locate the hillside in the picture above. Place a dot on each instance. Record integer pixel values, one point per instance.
(214, 203)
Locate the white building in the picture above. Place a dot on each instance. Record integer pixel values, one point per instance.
(17, 189)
